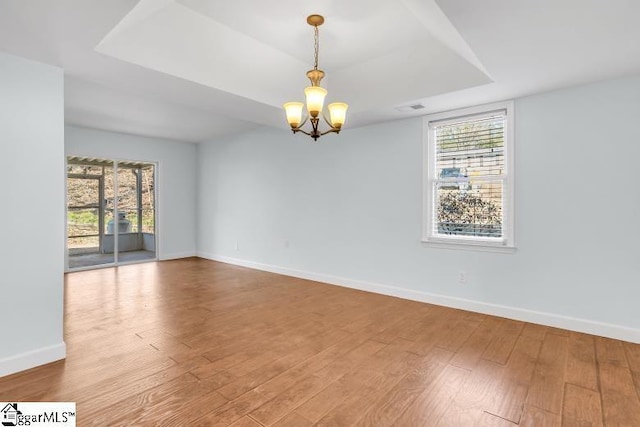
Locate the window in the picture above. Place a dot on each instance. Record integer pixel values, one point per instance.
(468, 189)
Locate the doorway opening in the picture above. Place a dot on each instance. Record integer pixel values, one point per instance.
(111, 212)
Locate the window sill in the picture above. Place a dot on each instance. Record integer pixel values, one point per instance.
(464, 246)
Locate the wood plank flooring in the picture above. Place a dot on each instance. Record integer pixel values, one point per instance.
(199, 343)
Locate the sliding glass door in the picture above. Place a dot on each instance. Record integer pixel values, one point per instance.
(110, 212)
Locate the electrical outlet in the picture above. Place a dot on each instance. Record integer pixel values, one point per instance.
(286, 243)
(462, 277)
(237, 246)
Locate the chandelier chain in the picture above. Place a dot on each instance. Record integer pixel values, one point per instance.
(316, 40)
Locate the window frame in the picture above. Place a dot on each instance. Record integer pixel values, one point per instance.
(507, 243)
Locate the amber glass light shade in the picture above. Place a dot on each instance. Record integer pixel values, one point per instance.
(337, 113)
(294, 113)
(315, 99)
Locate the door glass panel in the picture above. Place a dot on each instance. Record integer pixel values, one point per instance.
(87, 244)
(136, 234)
(148, 210)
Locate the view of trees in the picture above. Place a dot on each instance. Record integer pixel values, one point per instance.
(83, 201)
(465, 213)
(467, 208)
(474, 135)
(467, 153)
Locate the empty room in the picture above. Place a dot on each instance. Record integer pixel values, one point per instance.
(329, 213)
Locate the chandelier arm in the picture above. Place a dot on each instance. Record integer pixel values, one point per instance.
(296, 130)
(324, 116)
(332, 130)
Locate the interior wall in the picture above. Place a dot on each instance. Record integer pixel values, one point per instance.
(176, 180)
(348, 210)
(32, 154)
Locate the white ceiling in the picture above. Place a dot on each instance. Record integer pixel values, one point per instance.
(194, 70)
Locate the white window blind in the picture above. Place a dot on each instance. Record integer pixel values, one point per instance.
(468, 180)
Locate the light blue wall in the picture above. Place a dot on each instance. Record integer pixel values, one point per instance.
(31, 213)
(350, 208)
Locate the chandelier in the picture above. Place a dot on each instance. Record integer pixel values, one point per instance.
(315, 95)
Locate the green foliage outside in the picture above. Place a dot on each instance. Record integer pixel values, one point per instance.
(86, 221)
(82, 217)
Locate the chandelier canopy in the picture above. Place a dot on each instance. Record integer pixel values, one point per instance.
(315, 95)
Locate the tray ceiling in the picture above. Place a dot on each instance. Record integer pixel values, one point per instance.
(198, 70)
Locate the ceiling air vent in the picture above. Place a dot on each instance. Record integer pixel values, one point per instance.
(408, 108)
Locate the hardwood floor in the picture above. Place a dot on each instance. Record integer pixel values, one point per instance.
(198, 343)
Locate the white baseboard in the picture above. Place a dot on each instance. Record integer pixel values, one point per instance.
(31, 359)
(542, 318)
(177, 255)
